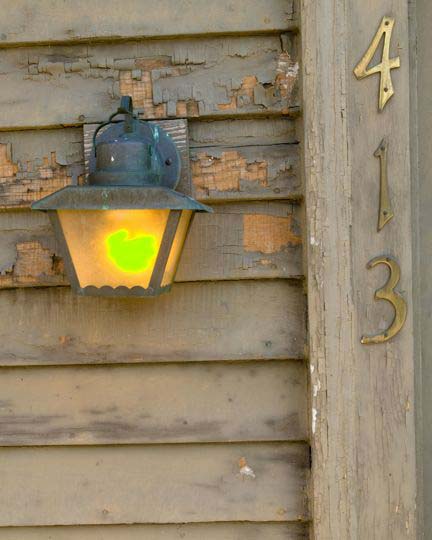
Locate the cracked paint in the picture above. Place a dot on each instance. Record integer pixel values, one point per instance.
(32, 261)
(22, 183)
(224, 173)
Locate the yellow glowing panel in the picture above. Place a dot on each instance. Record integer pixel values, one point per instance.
(113, 247)
(177, 247)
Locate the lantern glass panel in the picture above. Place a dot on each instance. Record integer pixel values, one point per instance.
(113, 247)
(177, 247)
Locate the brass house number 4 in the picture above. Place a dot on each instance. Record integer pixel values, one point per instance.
(361, 71)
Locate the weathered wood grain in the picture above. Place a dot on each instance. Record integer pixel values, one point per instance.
(362, 397)
(197, 402)
(153, 484)
(238, 241)
(204, 531)
(187, 78)
(35, 163)
(197, 321)
(49, 22)
(421, 160)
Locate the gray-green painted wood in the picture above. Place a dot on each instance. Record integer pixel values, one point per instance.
(26, 21)
(153, 484)
(174, 403)
(204, 531)
(225, 320)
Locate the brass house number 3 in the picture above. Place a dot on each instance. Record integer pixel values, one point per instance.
(386, 91)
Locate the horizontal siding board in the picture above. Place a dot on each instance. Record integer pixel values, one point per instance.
(153, 404)
(152, 484)
(252, 172)
(244, 241)
(224, 173)
(238, 241)
(187, 78)
(229, 320)
(241, 132)
(204, 531)
(35, 163)
(49, 22)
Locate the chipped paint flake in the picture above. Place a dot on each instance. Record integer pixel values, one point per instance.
(244, 469)
(242, 96)
(32, 261)
(225, 172)
(23, 183)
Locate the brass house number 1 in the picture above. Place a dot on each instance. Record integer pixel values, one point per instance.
(385, 209)
(362, 70)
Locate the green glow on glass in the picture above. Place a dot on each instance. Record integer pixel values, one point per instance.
(131, 254)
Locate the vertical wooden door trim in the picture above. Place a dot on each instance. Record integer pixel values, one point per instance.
(362, 397)
(330, 300)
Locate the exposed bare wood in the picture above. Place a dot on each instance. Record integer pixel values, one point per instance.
(196, 321)
(153, 484)
(49, 22)
(36, 163)
(238, 241)
(187, 78)
(207, 531)
(362, 396)
(129, 404)
(253, 172)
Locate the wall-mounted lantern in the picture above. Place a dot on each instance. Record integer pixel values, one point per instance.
(123, 233)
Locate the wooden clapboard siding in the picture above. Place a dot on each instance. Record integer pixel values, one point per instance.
(229, 320)
(241, 132)
(238, 241)
(153, 404)
(225, 164)
(252, 172)
(199, 531)
(183, 416)
(48, 22)
(35, 163)
(156, 484)
(187, 78)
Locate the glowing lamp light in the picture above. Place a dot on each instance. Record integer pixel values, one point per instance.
(123, 233)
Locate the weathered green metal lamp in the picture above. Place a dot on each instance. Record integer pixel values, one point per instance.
(123, 233)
